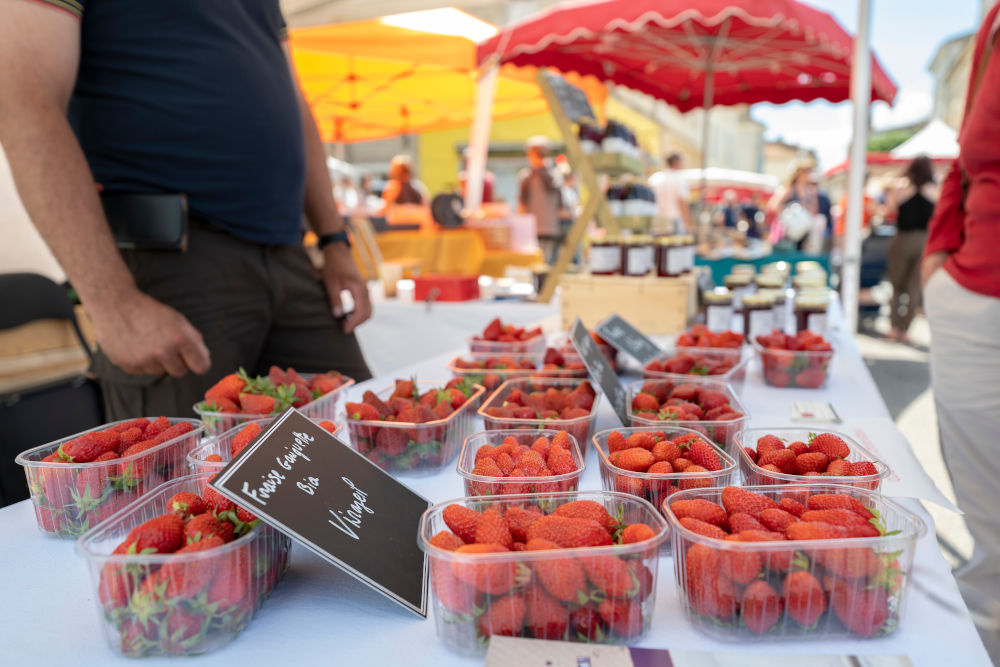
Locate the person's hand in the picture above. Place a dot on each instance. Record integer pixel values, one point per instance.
(340, 273)
(930, 264)
(143, 336)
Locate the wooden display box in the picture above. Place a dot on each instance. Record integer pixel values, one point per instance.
(653, 305)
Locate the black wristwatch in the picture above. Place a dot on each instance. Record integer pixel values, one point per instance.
(336, 237)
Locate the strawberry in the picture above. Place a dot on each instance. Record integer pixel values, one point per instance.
(492, 529)
(496, 578)
(741, 566)
(769, 443)
(830, 444)
(587, 509)
(216, 502)
(845, 518)
(560, 461)
(163, 534)
(546, 617)
(623, 617)
(277, 376)
(204, 526)
(799, 447)
(811, 462)
(863, 469)
(493, 330)
(660, 468)
(462, 521)
(586, 625)
(611, 575)
(519, 520)
(735, 499)
(175, 431)
(792, 506)
(643, 439)
(839, 468)
(186, 578)
(380, 406)
(456, 595)
(140, 423)
(92, 483)
(701, 573)
(244, 438)
(88, 446)
(505, 616)
(563, 578)
(257, 404)
(702, 528)
(635, 459)
(784, 459)
(805, 600)
(776, 519)
(127, 438)
(483, 451)
(637, 532)
(155, 428)
(774, 560)
(228, 388)
(181, 632)
(361, 412)
(760, 607)
(186, 504)
(391, 441)
(136, 468)
(568, 532)
(850, 563)
(701, 509)
(829, 501)
(751, 453)
(324, 385)
(812, 530)
(811, 378)
(702, 454)
(740, 521)
(862, 611)
(666, 450)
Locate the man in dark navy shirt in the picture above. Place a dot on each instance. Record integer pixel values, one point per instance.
(188, 97)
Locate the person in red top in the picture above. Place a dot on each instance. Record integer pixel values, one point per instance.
(960, 272)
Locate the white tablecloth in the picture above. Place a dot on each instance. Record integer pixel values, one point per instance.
(320, 615)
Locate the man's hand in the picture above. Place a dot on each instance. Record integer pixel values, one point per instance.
(340, 273)
(143, 336)
(930, 264)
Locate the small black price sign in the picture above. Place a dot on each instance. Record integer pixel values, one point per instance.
(600, 370)
(626, 338)
(321, 493)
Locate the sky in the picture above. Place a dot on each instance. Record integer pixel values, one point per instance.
(905, 35)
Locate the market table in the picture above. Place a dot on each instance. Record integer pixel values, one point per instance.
(319, 613)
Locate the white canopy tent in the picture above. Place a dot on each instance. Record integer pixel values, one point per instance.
(935, 140)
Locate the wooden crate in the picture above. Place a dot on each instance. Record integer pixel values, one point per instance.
(653, 305)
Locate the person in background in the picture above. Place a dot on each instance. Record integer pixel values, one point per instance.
(911, 203)
(801, 188)
(570, 198)
(402, 188)
(960, 272)
(489, 179)
(539, 194)
(673, 197)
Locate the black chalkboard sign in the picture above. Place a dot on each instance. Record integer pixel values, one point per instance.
(321, 493)
(573, 101)
(626, 338)
(600, 370)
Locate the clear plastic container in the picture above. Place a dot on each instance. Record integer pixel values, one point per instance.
(222, 445)
(562, 342)
(656, 487)
(754, 475)
(457, 607)
(722, 433)
(534, 345)
(411, 447)
(724, 356)
(71, 498)
(238, 577)
(805, 369)
(580, 427)
(479, 485)
(491, 378)
(873, 604)
(326, 406)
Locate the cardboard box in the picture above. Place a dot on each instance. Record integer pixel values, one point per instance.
(653, 305)
(446, 288)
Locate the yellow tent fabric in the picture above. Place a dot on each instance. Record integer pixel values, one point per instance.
(368, 80)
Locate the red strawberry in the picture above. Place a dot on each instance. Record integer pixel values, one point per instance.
(845, 518)
(462, 521)
(456, 595)
(611, 575)
(89, 446)
(256, 404)
(792, 506)
(205, 526)
(805, 600)
(667, 450)
(863, 468)
(702, 528)
(519, 520)
(701, 576)
(228, 388)
(623, 617)
(175, 431)
(162, 534)
(702, 454)
(829, 501)
(810, 378)
(217, 502)
(380, 406)
(127, 438)
(244, 438)
(850, 563)
(769, 443)
(811, 462)
(862, 611)
(560, 461)
(505, 616)
(811, 530)
(546, 617)
(701, 509)
(741, 566)
(830, 444)
(643, 439)
(92, 483)
(186, 578)
(361, 412)
(186, 504)
(735, 499)
(751, 453)
(156, 427)
(645, 403)
(740, 521)
(839, 468)
(637, 532)
(324, 385)
(563, 578)
(277, 376)
(586, 624)
(777, 559)
(244, 516)
(138, 468)
(616, 442)
(492, 529)
(391, 441)
(223, 405)
(496, 578)
(776, 519)
(799, 447)
(567, 532)
(784, 459)
(635, 459)
(760, 607)
(140, 423)
(587, 509)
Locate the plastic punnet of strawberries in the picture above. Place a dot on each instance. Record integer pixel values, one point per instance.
(88, 478)
(234, 441)
(509, 465)
(413, 426)
(563, 362)
(700, 336)
(494, 369)
(821, 456)
(498, 336)
(743, 580)
(800, 360)
(535, 401)
(238, 393)
(704, 408)
(188, 604)
(653, 466)
(689, 363)
(516, 570)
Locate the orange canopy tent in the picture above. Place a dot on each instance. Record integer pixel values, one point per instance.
(375, 79)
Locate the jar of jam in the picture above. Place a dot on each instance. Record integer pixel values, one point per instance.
(690, 249)
(634, 260)
(648, 246)
(771, 281)
(605, 257)
(740, 284)
(749, 269)
(808, 266)
(758, 315)
(809, 280)
(670, 257)
(779, 309)
(718, 309)
(782, 268)
(810, 313)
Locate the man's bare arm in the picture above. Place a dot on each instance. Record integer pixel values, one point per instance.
(39, 49)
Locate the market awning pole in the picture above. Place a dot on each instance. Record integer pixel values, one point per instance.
(861, 71)
(479, 138)
(708, 99)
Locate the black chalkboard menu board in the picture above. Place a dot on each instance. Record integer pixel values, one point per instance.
(573, 101)
(600, 370)
(626, 338)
